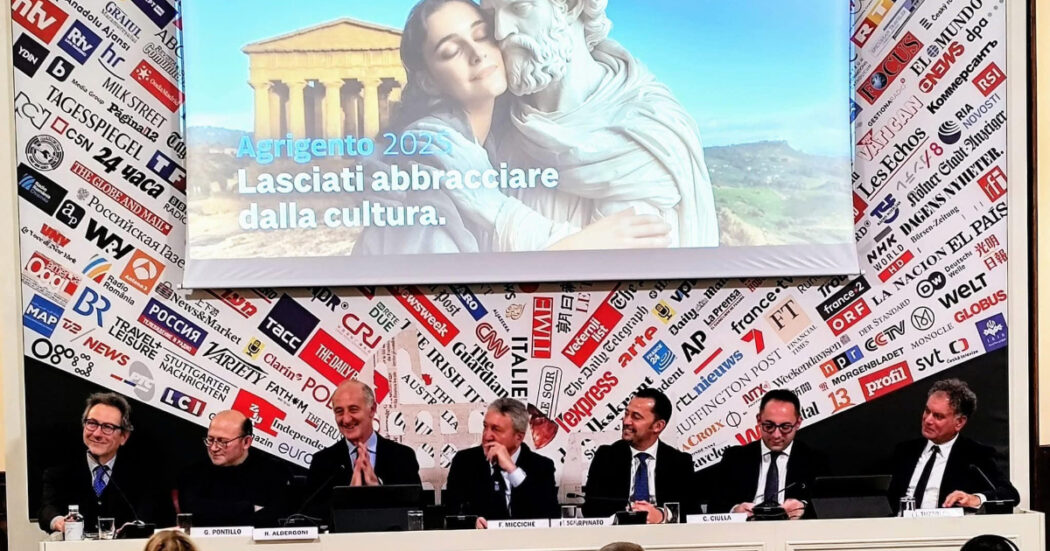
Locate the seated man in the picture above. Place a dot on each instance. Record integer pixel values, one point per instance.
(777, 468)
(235, 487)
(943, 469)
(640, 470)
(502, 478)
(97, 482)
(361, 457)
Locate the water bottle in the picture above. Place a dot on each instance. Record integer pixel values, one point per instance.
(74, 530)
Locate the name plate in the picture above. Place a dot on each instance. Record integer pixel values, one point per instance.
(716, 518)
(564, 522)
(934, 513)
(221, 531)
(285, 534)
(524, 523)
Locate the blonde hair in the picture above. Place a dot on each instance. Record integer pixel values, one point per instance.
(170, 540)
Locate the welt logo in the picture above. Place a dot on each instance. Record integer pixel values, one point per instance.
(79, 42)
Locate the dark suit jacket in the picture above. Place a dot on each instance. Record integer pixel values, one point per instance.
(609, 479)
(738, 471)
(228, 496)
(330, 467)
(470, 487)
(958, 474)
(70, 484)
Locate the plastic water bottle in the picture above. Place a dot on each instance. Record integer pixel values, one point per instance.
(74, 530)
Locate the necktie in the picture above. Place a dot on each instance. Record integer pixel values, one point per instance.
(499, 494)
(772, 491)
(99, 483)
(924, 478)
(641, 479)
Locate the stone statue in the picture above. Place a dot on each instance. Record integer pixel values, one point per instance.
(585, 106)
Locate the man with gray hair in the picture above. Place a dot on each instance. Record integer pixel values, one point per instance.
(943, 469)
(502, 478)
(586, 107)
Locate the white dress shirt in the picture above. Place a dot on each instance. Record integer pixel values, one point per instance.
(931, 497)
(514, 478)
(650, 463)
(763, 470)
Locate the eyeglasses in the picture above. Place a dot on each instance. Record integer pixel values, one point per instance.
(108, 429)
(785, 428)
(221, 443)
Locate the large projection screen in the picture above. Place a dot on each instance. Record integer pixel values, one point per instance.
(347, 143)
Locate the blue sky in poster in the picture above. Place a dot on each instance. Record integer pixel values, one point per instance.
(747, 70)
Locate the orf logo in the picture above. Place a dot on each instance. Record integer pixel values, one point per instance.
(79, 42)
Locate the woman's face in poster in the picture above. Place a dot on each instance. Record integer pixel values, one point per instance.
(462, 57)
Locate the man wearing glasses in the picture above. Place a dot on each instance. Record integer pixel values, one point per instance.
(234, 487)
(99, 483)
(776, 469)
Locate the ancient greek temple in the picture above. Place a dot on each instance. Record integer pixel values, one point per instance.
(328, 81)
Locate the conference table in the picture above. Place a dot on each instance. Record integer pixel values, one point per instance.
(1025, 528)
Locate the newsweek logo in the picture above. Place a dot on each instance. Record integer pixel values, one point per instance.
(161, 88)
(29, 55)
(331, 359)
(80, 42)
(426, 313)
(470, 302)
(129, 203)
(841, 361)
(993, 184)
(173, 327)
(40, 17)
(262, 413)
(50, 278)
(159, 11)
(39, 190)
(169, 171)
(183, 402)
(288, 324)
(993, 332)
(894, 63)
(885, 381)
(42, 316)
(594, 331)
(542, 312)
(989, 79)
(142, 272)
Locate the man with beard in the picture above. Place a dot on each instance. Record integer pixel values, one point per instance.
(361, 457)
(586, 107)
(640, 470)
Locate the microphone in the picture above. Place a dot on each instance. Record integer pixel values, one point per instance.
(299, 516)
(994, 490)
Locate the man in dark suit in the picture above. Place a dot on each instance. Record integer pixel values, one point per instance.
(640, 470)
(361, 457)
(100, 484)
(502, 478)
(776, 468)
(944, 469)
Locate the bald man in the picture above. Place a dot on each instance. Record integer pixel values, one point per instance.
(234, 487)
(361, 457)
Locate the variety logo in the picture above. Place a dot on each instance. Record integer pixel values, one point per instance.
(29, 55)
(161, 88)
(42, 316)
(542, 312)
(288, 324)
(892, 66)
(183, 402)
(40, 17)
(142, 272)
(659, 357)
(79, 42)
(228, 360)
(262, 413)
(993, 332)
(176, 329)
(885, 381)
(993, 184)
(43, 193)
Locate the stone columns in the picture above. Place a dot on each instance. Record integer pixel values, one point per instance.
(370, 95)
(395, 93)
(263, 129)
(333, 108)
(296, 108)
